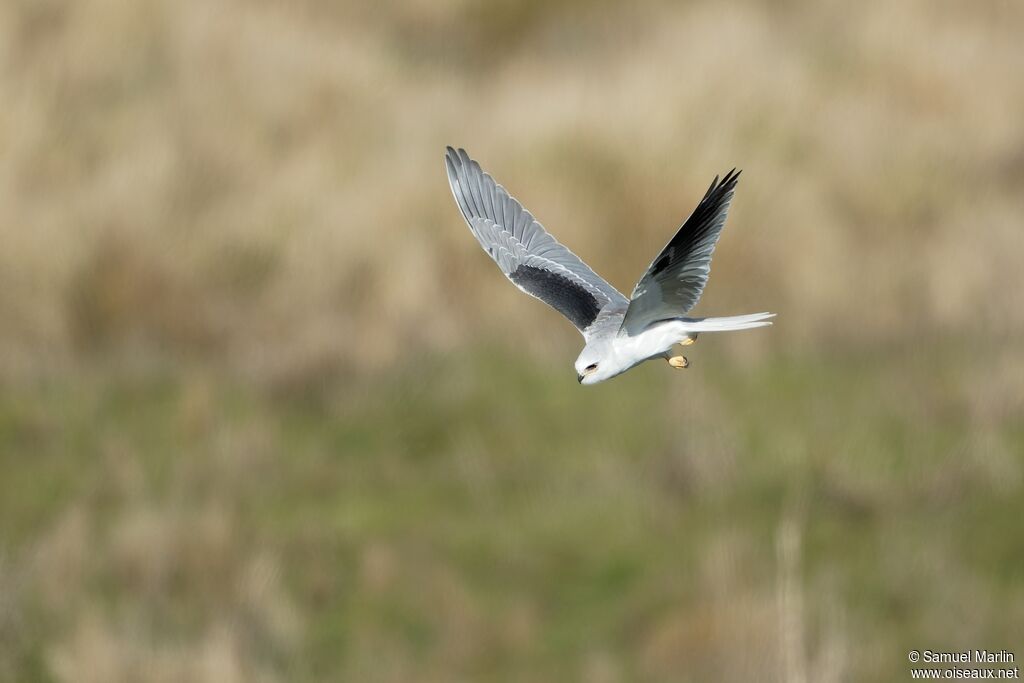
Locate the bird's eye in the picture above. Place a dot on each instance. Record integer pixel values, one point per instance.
(592, 367)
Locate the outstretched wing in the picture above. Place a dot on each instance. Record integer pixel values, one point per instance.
(674, 281)
(531, 258)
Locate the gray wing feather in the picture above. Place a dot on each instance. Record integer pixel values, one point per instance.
(530, 257)
(675, 280)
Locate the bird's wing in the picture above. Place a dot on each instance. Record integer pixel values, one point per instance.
(531, 258)
(674, 281)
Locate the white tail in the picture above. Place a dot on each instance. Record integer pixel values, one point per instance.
(735, 322)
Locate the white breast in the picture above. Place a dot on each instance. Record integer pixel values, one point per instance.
(653, 342)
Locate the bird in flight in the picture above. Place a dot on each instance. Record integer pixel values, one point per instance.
(619, 332)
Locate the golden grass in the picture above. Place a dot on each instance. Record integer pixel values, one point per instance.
(273, 173)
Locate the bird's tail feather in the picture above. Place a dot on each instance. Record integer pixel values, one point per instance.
(734, 322)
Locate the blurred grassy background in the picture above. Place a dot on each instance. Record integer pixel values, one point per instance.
(267, 413)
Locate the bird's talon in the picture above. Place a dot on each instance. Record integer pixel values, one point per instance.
(687, 341)
(679, 362)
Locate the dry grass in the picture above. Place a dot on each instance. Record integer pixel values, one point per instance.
(256, 422)
(267, 172)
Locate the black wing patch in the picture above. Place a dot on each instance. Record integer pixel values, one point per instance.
(676, 278)
(569, 298)
(663, 261)
(701, 227)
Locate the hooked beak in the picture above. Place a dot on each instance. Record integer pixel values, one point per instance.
(579, 378)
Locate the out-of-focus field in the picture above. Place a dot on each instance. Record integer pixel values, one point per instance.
(267, 412)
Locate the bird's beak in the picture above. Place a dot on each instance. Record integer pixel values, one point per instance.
(579, 378)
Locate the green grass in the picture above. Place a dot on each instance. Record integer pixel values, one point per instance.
(489, 519)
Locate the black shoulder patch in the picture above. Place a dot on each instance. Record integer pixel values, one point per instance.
(663, 261)
(569, 298)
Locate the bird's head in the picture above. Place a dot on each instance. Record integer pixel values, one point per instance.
(595, 364)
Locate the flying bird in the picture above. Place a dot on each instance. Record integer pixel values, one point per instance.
(619, 332)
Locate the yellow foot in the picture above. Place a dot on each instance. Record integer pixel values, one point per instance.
(679, 362)
(687, 341)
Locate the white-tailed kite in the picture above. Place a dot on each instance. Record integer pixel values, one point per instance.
(619, 332)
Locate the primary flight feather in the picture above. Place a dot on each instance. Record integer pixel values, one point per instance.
(619, 332)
